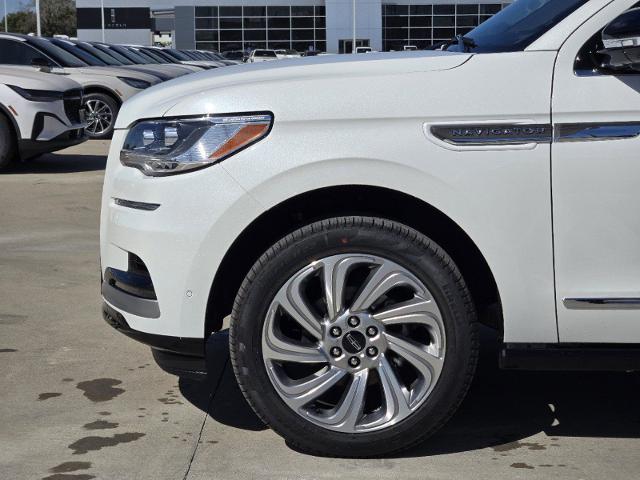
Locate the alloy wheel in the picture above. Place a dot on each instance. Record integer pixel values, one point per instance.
(353, 343)
(99, 117)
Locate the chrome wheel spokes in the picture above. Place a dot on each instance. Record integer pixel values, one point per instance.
(99, 117)
(353, 343)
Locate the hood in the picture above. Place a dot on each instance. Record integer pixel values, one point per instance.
(34, 79)
(265, 85)
(114, 72)
(204, 63)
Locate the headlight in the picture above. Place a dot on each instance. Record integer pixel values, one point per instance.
(37, 95)
(165, 147)
(135, 83)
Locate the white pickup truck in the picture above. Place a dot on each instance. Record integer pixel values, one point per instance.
(358, 235)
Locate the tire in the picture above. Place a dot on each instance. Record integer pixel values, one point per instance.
(263, 332)
(7, 143)
(101, 111)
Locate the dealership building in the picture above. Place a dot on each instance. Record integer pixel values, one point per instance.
(325, 25)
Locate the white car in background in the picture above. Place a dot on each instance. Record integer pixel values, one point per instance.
(358, 228)
(39, 113)
(262, 55)
(282, 53)
(105, 87)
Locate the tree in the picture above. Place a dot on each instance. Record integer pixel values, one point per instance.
(58, 17)
(23, 21)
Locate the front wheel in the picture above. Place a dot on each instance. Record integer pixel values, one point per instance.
(354, 337)
(101, 111)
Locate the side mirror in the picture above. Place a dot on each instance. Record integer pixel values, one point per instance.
(41, 63)
(621, 39)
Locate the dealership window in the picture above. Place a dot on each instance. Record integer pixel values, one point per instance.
(425, 25)
(248, 27)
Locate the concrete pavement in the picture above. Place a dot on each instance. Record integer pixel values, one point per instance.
(80, 401)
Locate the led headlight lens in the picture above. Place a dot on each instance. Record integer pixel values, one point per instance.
(37, 95)
(165, 147)
(135, 83)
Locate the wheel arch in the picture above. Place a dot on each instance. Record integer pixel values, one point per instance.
(328, 202)
(12, 121)
(103, 90)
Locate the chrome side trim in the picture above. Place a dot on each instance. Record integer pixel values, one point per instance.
(150, 207)
(498, 134)
(621, 303)
(585, 132)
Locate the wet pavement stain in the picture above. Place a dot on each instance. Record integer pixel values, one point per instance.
(69, 476)
(7, 350)
(101, 389)
(515, 445)
(67, 379)
(100, 425)
(48, 395)
(10, 319)
(70, 467)
(522, 465)
(169, 401)
(90, 444)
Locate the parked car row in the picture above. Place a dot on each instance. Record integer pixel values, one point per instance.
(265, 55)
(55, 92)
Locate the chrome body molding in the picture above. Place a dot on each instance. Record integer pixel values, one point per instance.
(497, 134)
(613, 303)
(523, 134)
(583, 132)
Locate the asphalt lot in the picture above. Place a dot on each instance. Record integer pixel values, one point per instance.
(80, 401)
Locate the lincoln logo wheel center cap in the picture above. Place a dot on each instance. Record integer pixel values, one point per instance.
(354, 342)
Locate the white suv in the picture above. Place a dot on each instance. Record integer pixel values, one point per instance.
(39, 113)
(260, 55)
(357, 243)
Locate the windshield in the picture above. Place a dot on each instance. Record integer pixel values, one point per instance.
(128, 54)
(517, 26)
(64, 59)
(264, 53)
(145, 55)
(177, 55)
(162, 54)
(78, 52)
(106, 58)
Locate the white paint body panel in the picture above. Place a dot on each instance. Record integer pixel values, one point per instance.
(365, 120)
(500, 197)
(596, 196)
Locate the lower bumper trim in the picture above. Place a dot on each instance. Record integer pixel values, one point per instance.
(31, 148)
(182, 366)
(142, 307)
(191, 347)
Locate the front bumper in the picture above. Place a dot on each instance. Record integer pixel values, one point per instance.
(184, 357)
(31, 147)
(181, 241)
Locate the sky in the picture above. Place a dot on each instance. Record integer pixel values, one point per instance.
(13, 5)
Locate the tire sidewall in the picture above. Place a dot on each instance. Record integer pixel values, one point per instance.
(413, 251)
(7, 142)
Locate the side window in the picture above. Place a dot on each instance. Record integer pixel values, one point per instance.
(591, 58)
(13, 52)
